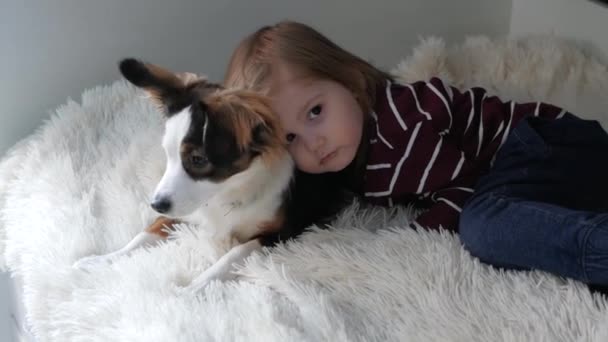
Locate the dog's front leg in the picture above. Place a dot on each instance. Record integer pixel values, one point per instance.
(224, 268)
(151, 235)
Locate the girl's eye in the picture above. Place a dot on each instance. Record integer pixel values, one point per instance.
(198, 160)
(290, 137)
(314, 112)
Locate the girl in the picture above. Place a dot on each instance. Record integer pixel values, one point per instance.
(524, 184)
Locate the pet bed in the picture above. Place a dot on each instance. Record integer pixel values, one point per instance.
(80, 186)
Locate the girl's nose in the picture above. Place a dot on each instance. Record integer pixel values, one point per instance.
(315, 142)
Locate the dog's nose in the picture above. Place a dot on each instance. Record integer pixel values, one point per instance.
(162, 205)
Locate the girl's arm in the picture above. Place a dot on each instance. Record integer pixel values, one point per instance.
(451, 143)
(446, 208)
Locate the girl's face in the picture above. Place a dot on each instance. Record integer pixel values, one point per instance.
(322, 119)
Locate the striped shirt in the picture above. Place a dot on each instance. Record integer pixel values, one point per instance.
(430, 143)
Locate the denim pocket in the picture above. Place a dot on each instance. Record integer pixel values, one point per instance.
(529, 139)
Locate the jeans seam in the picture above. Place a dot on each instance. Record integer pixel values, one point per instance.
(516, 134)
(503, 197)
(583, 260)
(521, 203)
(540, 147)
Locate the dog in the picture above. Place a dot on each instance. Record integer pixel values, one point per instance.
(228, 166)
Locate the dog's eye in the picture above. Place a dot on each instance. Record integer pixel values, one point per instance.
(290, 137)
(198, 160)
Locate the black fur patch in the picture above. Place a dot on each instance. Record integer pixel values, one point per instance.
(218, 146)
(311, 199)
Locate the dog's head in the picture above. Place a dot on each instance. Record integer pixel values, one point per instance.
(211, 134)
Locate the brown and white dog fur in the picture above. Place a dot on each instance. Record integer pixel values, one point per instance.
(227, 165)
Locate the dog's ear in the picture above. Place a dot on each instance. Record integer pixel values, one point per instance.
(248, 115)
(267, 133)
(258, 127)
(167, 89)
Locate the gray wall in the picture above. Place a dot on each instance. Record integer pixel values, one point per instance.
(6, 333)
(51, 50)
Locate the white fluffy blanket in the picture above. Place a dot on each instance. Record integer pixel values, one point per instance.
(80, 186)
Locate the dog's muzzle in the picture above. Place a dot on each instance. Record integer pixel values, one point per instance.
(162, 205)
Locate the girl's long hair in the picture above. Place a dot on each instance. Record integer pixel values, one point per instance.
(302, 47)
(313, 55)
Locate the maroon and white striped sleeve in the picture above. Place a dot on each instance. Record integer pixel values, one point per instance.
(479, 123)
(446, 208)
(438, 139)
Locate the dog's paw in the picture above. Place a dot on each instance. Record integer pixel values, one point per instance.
(195, 287)
(92, 262)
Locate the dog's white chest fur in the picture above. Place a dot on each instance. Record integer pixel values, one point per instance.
(246, 201)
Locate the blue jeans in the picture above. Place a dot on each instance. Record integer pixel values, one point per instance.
(544, 203)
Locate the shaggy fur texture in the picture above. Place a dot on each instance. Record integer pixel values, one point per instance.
(80, 185)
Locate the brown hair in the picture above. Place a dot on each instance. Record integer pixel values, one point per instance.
(302, 47)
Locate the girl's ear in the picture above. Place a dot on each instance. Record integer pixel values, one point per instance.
(167, 89)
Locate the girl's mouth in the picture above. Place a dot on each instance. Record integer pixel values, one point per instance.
(328, 157)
